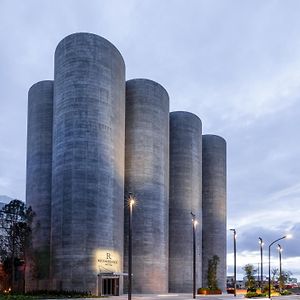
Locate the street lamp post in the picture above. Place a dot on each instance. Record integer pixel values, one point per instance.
(131, 202)
(286, 236)
(234, 249)
(280, 270)
(194, 223)
(261, 243)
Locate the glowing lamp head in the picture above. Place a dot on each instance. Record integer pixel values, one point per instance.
(131, 200)
(289, 236)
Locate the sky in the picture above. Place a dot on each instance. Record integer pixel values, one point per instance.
(236, 64)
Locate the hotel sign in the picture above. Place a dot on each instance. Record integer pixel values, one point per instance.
(108, 260)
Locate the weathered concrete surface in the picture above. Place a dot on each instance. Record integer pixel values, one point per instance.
(38, 180)
(185, 197)
(214, 205)
(147, 177)
(88, 160)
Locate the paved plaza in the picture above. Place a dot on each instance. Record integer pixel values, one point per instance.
(199, 297)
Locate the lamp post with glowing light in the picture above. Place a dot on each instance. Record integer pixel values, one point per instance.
(131, 202)
(261, 243)
(194, 223)
(286, 236)
(280, 270)
(234, 250)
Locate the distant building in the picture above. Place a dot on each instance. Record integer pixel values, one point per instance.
(240, 284)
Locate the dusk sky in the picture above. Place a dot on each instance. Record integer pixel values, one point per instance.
(236, 64)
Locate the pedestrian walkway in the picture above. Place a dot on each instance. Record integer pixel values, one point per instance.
(178, 297)
(198, 297)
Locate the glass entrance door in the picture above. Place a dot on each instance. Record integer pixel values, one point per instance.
(110, 286)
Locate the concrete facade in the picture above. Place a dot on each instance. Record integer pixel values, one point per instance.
(39, 176)
(185, 197)
(88, 161)
(147, 177)
(214, 205)
(82, 163)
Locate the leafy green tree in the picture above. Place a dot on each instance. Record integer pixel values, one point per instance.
(15, 235)
(250, 272)
(212, 273)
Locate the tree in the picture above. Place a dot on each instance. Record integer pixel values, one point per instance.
(282, 279)
(250, 272)
(212, 273)
(287, 276)
(15, 235)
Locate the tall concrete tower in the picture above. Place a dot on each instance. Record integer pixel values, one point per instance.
(88, 162)
(38, 180)
(185, 197)
(147, 177)
(214, 205)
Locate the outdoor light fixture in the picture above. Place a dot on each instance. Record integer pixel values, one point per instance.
(280, 270)
(194, 222)
(234, 249)
(288, 236)
(131, 202)
(261, 243)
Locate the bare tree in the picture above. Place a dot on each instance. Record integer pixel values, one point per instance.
(15, 234)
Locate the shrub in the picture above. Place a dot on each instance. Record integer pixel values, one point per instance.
(285, 293)
(202, 290)
(59, 294)
(252, 294)
(208, 291)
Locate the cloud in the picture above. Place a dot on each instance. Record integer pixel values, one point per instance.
(291, 264)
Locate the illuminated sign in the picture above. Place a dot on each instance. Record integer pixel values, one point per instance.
(107, 260)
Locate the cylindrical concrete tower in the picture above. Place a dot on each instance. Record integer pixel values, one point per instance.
(88, 162)
(38, 181)
(147, 177)
(214, 205)
(185, 197)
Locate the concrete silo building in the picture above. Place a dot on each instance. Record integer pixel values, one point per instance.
(88, 162)
(82, 162)
(39, 177)
(185, 197)
(214, 205)
(147, 177)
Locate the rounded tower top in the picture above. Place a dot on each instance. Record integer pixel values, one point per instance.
(41, 82)
(86, 38)
(145, 81)
(213, 137)
(185, 115)
(37, 87)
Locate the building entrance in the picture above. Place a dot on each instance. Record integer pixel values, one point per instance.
(110, 287)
